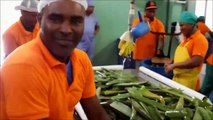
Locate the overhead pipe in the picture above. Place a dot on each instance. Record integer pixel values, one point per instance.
(167, 15)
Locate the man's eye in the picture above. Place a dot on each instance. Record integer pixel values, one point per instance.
(77, 21)
(55, 19)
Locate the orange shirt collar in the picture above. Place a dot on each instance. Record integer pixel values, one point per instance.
(22, 28)
(195, 34)
(192, 36)
(36, 28)
(154, 20)
(51, 60)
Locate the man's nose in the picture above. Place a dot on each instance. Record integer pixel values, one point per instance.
(66, 28)
(153, 14)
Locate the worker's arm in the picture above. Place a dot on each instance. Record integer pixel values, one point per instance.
(93, 109)
(161, 43)
(161, 38)
(9, 43)
(97, 25)
(97, 28)
(195, 61)
(84, 43)
(89, 100)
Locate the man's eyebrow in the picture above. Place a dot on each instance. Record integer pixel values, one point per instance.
(59, 15)
(55, 14)
(77, 17)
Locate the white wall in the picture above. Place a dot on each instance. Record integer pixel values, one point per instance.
(209, 19)
(205, 9)
(8, 16)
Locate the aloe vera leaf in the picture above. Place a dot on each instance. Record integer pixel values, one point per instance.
(112, 92)
(129, 84)
(134, 114)
(197, 115)
(153, 113)
(140, 110)
(137, 95)
(145, 92)
(176, 113)
(120, 96)
(180, 103)
(126, 110)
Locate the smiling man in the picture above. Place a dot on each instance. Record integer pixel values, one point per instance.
(34, 81)
(189, 55)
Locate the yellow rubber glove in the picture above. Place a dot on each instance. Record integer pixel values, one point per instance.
(121, 44)
(126, 44)
(129, 48)
(122, 51)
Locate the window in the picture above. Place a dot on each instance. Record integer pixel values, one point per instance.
(204, 8)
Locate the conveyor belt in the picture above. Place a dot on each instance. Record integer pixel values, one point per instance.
(155, 79)
(147, 75)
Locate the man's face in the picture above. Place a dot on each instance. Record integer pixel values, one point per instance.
(90, 10)
(186, 29)
(150, 13)
(29, 17)
(62, 25)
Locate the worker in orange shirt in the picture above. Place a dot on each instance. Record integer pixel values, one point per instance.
(23, 30)
(207, 86)
(206, 32)
(34, 81)
(189, 55)
(202, 26)
(145, 46)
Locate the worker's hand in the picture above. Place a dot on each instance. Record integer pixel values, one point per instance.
(146, 19)
(126, 44)
(121, 44)
(160, 53)
(168, 62)
(169, 68)
(126, 48)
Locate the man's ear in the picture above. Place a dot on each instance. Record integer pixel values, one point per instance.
(39, 17)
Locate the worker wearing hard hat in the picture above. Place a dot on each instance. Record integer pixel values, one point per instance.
(23, 30)
(189, 55)
(145, 46)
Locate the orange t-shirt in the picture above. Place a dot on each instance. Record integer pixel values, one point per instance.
(16, 35)
(210, 59)
(35, 83)
(203, 28)
(145, 46)
(196, 44)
